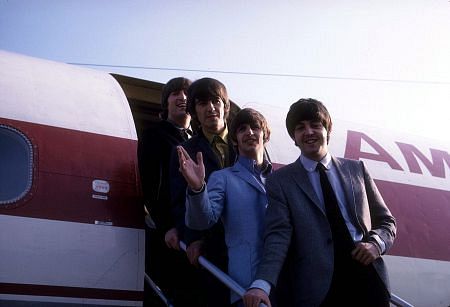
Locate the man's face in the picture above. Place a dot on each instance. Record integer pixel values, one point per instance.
(311, 138)
(250, 140)
(210, 114)
(176, 105)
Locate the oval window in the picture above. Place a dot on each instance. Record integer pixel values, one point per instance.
(16, 165)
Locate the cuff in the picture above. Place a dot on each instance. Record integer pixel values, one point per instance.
(261, 284)
(193, 192)
(378, 243)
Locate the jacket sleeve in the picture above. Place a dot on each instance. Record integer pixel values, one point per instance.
(383, 223)
(149, 167)
(177, 194)
(204, 209)
(277, 235)
(154, 153)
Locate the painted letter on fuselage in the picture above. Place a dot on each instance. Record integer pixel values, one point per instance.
(353, 150)
(436, 166)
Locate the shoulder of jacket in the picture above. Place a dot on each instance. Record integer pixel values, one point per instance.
(282, 172)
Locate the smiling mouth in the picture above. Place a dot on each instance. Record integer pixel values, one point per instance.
(310, 141)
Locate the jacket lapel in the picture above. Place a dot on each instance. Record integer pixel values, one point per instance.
(348, 184)
(208, 153)
(231, 151)
(300, 177)
(245, 175)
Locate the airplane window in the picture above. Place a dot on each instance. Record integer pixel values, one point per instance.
(16, 165)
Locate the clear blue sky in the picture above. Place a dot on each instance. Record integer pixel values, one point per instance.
(290, 49)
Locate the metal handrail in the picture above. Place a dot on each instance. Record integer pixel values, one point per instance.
(224, 278)
(158, 291)
(398, 301)
(235, 287)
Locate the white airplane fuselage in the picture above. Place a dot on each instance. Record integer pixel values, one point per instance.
(73, 231)
(76, 234)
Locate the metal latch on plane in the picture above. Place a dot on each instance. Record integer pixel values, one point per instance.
(104, 223)
(100, 186)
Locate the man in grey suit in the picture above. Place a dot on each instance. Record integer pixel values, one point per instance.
(326, 222)
(236, 195)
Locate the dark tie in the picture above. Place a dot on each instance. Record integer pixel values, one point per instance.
(343, 243)
(186, 134)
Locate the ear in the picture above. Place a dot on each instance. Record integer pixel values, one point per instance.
(266, 137)
(227, 106)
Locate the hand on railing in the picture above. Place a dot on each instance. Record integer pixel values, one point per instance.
(224, 278)
(256, 297)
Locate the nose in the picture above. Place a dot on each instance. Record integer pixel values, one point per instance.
(248, 131)
(211, 106)
(308, 130)
(182, 95)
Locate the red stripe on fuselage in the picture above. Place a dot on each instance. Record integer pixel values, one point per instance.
(69, 160)
(422, 216)
(66, 163)
(76, 292)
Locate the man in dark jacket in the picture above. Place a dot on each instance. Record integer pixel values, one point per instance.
(169, 269)
(209, 105)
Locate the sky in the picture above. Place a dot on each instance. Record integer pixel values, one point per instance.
(379, 63)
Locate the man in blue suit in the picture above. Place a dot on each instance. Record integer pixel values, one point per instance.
(327, 220)
(235, 195)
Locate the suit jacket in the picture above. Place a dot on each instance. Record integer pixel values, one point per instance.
(236, 197)
(215, 249)
(296, 222)
(154, 151)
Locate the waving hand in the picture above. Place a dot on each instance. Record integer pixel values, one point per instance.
(193, 173)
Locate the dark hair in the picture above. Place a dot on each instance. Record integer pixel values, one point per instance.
(173, 85)
(308, 109)
(206, 89)
(251, 117)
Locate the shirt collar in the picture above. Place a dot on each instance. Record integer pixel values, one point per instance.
(223, 135)
(188, 129)
(251, 165)
(310, 165)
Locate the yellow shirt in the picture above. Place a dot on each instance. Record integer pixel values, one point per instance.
(219, 144)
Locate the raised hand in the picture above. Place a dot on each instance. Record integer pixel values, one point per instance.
(193, 173)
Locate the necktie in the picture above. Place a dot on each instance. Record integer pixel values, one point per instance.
(343, 243)
(186, 134)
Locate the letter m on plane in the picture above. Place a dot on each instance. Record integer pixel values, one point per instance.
(411, 154)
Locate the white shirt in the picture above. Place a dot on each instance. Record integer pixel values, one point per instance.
(333, 178)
